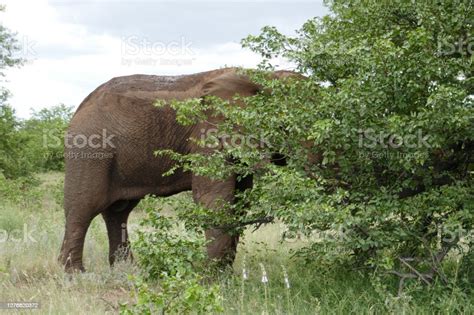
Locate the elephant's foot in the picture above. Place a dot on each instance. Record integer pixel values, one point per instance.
(71, 265)
(222, 247)
(73, 242)
(74, 268)
(115, 218)
(123, 253)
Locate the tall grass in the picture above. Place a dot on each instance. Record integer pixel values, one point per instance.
(29, 271)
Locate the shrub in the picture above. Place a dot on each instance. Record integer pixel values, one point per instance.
(173, 269)
(379, 136)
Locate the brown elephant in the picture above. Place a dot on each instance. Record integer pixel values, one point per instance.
(110, 162)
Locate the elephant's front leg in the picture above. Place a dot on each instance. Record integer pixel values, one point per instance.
(212, 195)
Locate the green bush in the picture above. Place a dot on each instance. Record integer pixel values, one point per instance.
(18, 190)
(45, 130)
(379, 135)
(175, 295)
(12, 163)
(13, 145)
(173, 269)
(35, 144)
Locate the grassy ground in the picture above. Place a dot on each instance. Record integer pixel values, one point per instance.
(33, 223)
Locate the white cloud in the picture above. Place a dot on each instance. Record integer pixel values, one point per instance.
(67, 61)
(45, 81)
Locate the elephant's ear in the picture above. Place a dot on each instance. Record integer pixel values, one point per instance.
(228, 85)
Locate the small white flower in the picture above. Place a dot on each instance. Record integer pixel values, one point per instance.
(264, 274)
(285, 275)
(245, 275)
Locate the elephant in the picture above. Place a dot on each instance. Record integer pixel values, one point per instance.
(110, 163)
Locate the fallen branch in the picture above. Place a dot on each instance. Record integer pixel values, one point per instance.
(423, 277)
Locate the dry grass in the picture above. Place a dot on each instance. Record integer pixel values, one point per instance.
(29, 271)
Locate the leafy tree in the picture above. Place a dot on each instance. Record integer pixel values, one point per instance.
(12, 143)
(9, 48)
(11, 163)
(35, 144)
(45, 132)
(379, 137)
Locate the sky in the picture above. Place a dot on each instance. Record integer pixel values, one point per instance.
(73, 46)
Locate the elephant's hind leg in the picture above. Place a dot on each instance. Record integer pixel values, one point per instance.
(116, 217)
(77, 224)
(82, 204)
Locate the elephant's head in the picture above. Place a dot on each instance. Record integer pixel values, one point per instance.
(232, 82)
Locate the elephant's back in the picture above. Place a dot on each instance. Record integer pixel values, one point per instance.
(124, 105)
(147, 88)
(141, 87)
